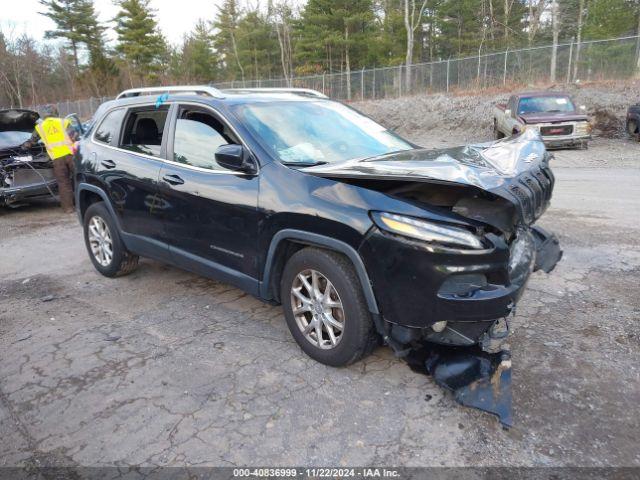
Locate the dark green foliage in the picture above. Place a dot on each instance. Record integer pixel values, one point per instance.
(334, 35)
(140, 43)
(196, 61)
(225, 40)
(76, 22)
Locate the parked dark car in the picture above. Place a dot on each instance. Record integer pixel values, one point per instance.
(553, 115)
(25, 175)
(633, 121)
(303, 201)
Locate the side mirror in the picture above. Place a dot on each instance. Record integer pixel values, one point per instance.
(234, 157)
(583, 108)
(507, 112)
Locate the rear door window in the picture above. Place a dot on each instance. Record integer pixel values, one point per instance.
(143, 130)
(108, 130)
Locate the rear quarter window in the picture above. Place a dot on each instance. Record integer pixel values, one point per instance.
(109, 127)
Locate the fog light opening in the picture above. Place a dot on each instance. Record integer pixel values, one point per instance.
(439, 326)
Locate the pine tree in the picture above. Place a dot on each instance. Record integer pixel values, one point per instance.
(334, 34)
(76, 22)
(609, 18)
(197, 61)
(225, 41)
(257, 45)
(139, 42)
(101, 68)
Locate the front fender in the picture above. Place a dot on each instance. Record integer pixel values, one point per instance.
(314, 239)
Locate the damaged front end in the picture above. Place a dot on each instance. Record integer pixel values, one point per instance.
(450, 299)
(25, 174)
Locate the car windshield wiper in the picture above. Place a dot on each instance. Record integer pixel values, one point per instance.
(304, 164)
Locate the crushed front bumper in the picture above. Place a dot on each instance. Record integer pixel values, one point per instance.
(417, 285)
(24, 184)
(24, 193)
(469, 357)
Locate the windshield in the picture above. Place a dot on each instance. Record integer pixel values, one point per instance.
(315, 132)
(545, 104)
(13, 139)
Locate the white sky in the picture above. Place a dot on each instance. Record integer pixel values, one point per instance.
(176, 17)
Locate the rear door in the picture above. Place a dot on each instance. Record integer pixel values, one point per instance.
(129, 167)
(211, 213)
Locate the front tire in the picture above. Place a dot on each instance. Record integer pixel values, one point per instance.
(497, 134)
(106, 250)
(325, 308)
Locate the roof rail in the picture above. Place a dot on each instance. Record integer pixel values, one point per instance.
(300, 91)
(186, 89)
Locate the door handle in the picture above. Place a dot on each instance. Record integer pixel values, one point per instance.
(108, 164)
(173, 179)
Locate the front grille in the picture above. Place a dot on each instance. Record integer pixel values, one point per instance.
(532, 190)
(545, 182)
(538, 195)
(525, 203)
(551, 130)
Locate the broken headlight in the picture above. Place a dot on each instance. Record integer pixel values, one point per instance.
(427, 231)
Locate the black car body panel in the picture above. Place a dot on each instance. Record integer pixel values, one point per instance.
(24, 174)
(237, 226)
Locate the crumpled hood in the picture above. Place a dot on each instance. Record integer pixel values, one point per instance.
(18, 120)
(549, 117)
(486, 165)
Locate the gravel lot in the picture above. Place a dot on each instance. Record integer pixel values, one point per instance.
(165, 368)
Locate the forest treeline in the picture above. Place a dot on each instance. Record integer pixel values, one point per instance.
(280, 39)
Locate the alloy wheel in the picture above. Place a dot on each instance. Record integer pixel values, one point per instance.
(100, 241)
(317, 309)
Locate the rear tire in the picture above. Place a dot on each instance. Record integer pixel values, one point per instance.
(104, 245)
(336, 303)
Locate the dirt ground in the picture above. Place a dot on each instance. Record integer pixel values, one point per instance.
(165, 368)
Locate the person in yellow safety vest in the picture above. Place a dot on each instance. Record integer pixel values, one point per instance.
(59, 136)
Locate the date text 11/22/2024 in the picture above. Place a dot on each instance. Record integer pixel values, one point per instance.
(317, 472)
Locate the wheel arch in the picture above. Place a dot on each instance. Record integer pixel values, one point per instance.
(87, 194)
(288, 241)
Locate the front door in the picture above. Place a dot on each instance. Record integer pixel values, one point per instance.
(210, 213)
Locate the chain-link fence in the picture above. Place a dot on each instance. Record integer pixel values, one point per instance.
(610, 59)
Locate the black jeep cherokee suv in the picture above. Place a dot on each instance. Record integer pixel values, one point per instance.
(303, 201)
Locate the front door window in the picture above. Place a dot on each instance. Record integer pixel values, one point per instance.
(198, 136)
